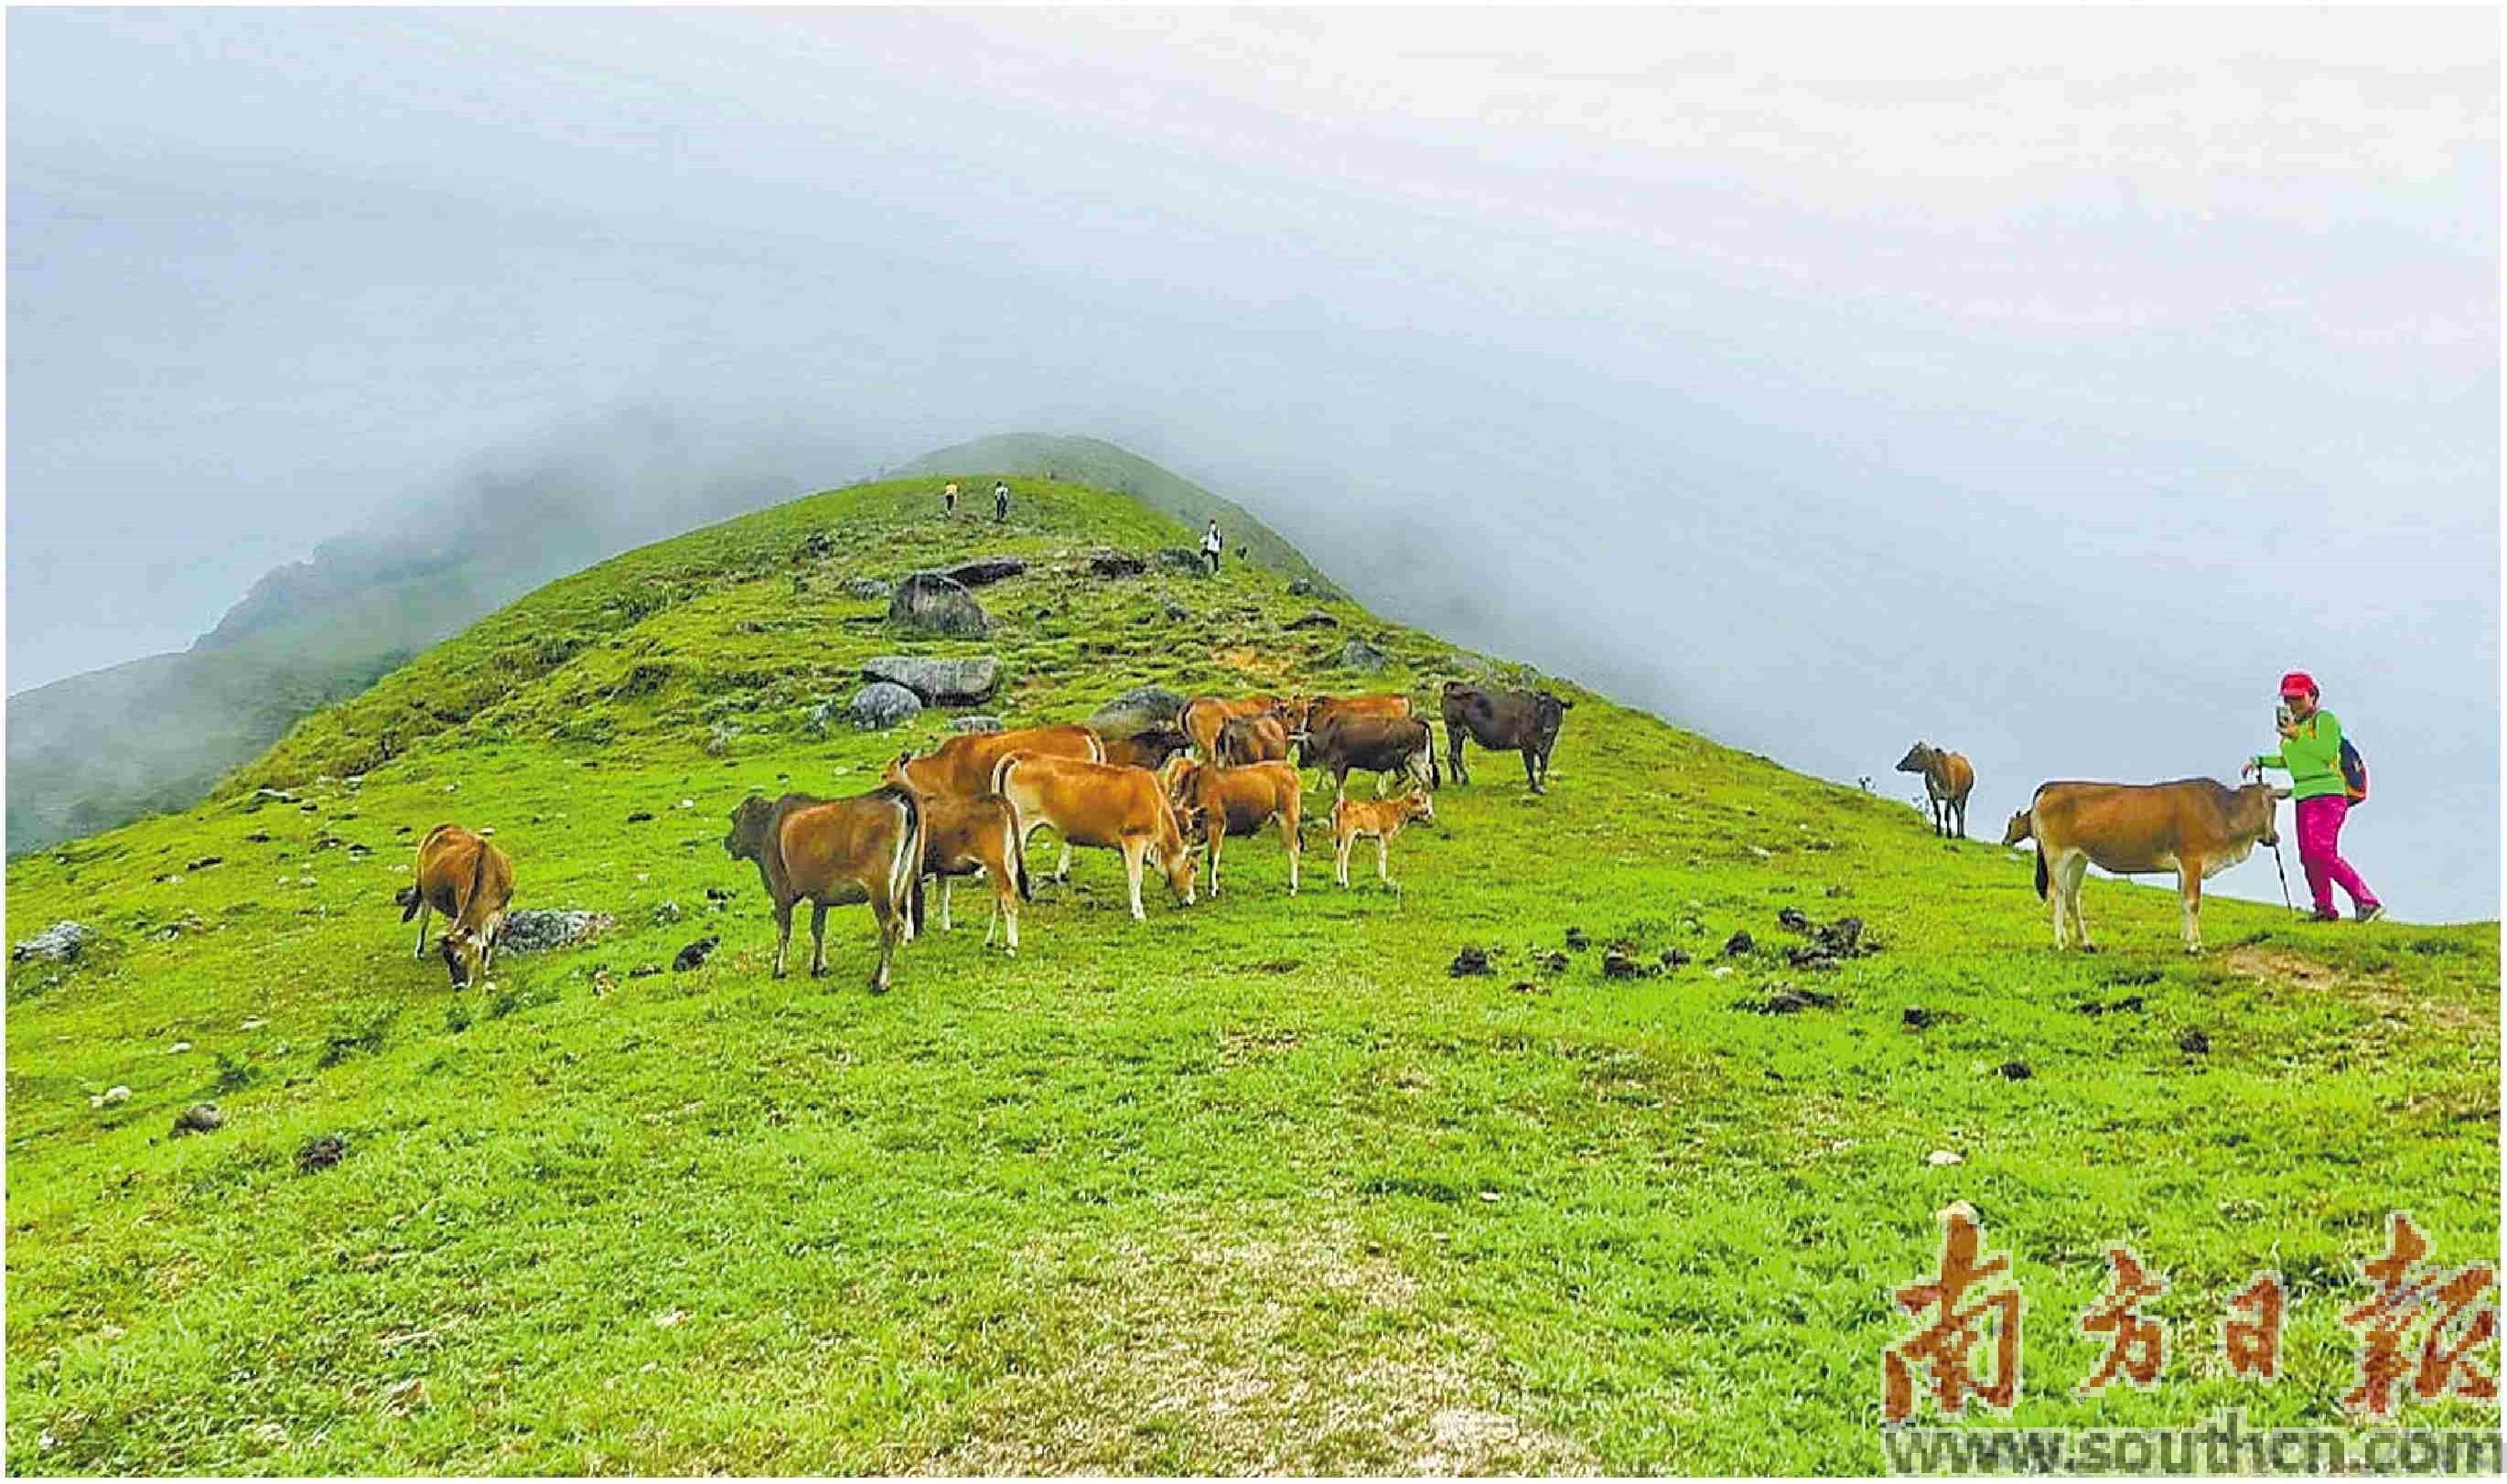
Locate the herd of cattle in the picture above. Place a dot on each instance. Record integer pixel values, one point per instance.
(969, 805)
(1223, 770)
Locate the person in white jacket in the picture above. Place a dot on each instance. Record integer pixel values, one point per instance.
(1212, 544)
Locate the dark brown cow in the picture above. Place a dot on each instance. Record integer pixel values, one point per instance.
(1147, 749)
(1378, 745)
(961, 837)
(1502, 721)
(962, 767)
(1203, 716)
(2194, 827)
(836, 852)
(1213, 802)
(1948, 779)
(1262, 738)
(470, 881)
(1091, 804)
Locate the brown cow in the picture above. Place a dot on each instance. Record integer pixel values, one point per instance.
(1380, 744)
(1947, 782)
(470, 881)
(1092, 803)
(836, 852)
(1502, 721)
(1213, 802)
(1259, 738)
(2194, 827)
(961, 837)
(963, 766)
(1203, 715)
(1148, 749)
(1377, 819)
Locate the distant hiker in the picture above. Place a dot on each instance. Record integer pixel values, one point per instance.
(1212, 544)
(1000, 499)
(949, 499)
(2326, 777)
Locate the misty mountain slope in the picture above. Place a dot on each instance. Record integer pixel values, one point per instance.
(1258, 1183)
(1096, 462)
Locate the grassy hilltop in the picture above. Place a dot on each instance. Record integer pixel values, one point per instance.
(1252, 1186)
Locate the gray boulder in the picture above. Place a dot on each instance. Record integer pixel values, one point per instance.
(537, 931)
(884, 703)
(985, 569)
(933, 602)
(1359, 654)
(1142, 709)
(978, 724)
(61, 943)
(1105, 562)
(1313, 618)
(868, 586)
(938, 682)
(1178, 559)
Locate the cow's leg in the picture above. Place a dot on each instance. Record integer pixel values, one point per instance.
(1530, 773)
(782, 935)
(1340, 784)
(1218, 842)
(2075, 871)
(1383, 856)
(1134, 848)
(1288, 838)
(1454, 754)
(1005, 908)
(423, 911)
(948, 886)
(1062, 868)
(2189, 885)
(1960, 804)
(890, 914)
(1340, 858)
(817, 939)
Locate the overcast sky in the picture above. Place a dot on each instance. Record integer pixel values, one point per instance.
(2040, 383)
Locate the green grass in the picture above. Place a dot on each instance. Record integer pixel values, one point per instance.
(1252, 1185)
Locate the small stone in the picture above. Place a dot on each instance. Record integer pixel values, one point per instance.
(320, 1153)
(1942, 1157)
(255, 1023)
(1793, 920)
(109, 1097)
(1738, 944)
(1554, 961)
(1577, 941)
(640, 817)
(695, 954)
(2194, 1044)
(198, 1118)
(883, 704)
(1917, 1018)
(61, 943)
(1675, 958)
(178, 1048)
(2016, 1072)
(1360, 655)
(976, 724)
(1470, 961)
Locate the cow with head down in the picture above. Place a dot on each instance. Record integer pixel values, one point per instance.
(1520, 721)
(470, 881)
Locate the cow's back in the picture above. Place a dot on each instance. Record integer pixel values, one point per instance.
(819, 845)
(1089, 802)
(2126, 828)
(446, 859)
(964, 765)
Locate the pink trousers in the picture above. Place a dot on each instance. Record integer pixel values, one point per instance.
(2319, 852)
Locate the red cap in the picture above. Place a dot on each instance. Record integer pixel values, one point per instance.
(2299, 682)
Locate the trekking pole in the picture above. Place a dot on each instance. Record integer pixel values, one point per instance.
(2284, 880)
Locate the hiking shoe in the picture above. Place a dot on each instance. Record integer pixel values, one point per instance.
(2372, 912)
(2324, 915)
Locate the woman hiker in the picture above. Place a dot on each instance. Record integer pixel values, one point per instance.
(1212, 543)
(2310, 749)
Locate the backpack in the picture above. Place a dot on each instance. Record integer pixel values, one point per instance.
(2355, 775)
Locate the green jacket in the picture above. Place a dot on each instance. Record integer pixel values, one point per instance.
(2313, 758)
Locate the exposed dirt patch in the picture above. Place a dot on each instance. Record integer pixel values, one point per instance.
(2380, 992)
(1270, 669)
(1219, 1355)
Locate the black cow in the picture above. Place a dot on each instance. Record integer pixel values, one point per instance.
(1524, 721)
(1377, 744)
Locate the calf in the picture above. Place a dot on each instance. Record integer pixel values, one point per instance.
(1379, 819)
(1092, 803)
(2196, 827)
(1213, 802)
(1947, 781)
(1521, 721)
(1378, 745)
(1259, 738)
(1147, 749)
(471, 883)
(963, 836)
(836, 852)
(962, 767)
(1203, 716)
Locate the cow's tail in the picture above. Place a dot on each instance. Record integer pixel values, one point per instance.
(905, 868)
(1014, 852)
(1096, 746)
(478, 882)
(2041, 870)
(1434, 779)
(1002, 772)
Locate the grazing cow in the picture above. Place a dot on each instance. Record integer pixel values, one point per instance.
(1092, 803)
(1147, 749)
(1203, 716)
(2194, 827)
(1213, 802)
(471, 883)
(1262, 738)
(961, 837)
(962, 767)
(1377, 819)
(1378, 745)
(836, 852)
(1521, 721)
(2021, 829)
(1947, 781)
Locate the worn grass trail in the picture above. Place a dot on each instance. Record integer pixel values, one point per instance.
(1254, 1186)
